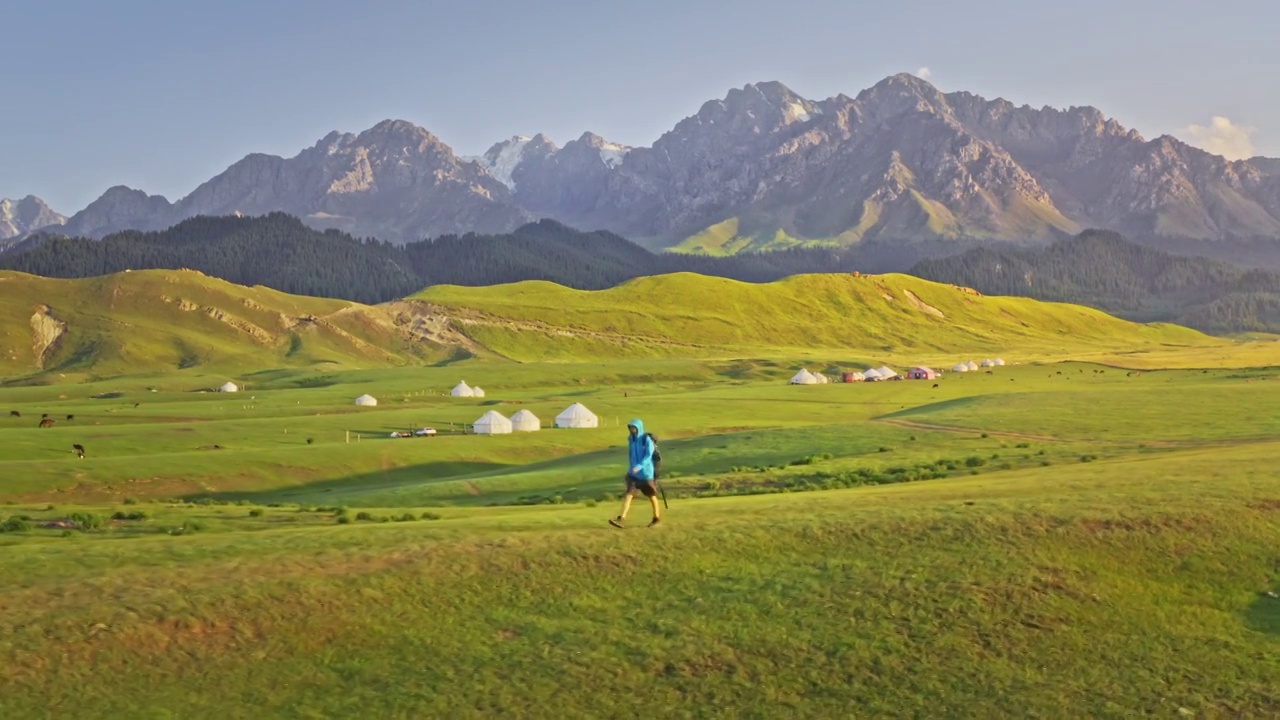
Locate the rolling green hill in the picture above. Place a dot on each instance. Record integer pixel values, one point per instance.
(685, 314)
(172, 319)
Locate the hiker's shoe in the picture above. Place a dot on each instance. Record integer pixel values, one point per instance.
(616, 522)
(655, 522)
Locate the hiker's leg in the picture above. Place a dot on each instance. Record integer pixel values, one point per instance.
(626, 498)
(653, 503)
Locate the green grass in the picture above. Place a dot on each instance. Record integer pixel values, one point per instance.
(1030, 582)
(1053, 539)
(696, 316)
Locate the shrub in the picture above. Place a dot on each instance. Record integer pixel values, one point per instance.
(130, 501)
(363, 516)
(1088, 458)
(407, 517)
(86, 521)
(985, 436)
(340, 511)
(15, 524)
(885, 449)
(129, 516)
(974, 461)
(1043, 452)
(343, 520)
(1045, 463)
(589, 502)
(255, 513)
(191, 526)
(1023, 445)
(433, 516)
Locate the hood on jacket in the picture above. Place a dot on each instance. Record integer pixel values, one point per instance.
(638, 424)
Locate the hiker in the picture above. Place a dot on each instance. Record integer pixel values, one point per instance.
(641, 475)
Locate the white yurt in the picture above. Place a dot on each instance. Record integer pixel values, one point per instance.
(577, 416)
(822, 379)
(857, 377)
(973, 366)
(988, 363)
(366, 401)
(804, 377)
(462, 390)
(871, 375)
(477, 391)
(886, 372)
(525, 421)
(492, 423)
(229, 387)
(960, 368)
(998, 362)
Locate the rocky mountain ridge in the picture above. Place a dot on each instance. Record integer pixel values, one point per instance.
(762, 168)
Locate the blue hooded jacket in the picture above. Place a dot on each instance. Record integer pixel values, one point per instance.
(639, 452)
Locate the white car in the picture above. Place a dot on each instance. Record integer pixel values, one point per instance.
(425, 432)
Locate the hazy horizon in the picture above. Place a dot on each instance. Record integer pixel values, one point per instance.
(162, 98)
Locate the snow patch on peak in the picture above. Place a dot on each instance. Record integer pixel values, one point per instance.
(502, 159)
(613, 153)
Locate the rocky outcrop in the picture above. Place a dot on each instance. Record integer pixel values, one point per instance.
(46, 331)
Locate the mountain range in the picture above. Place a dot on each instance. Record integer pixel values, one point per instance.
(763, 168)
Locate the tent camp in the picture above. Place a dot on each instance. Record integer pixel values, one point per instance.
(973, 366)
(988, 363)
(854, 377)
(577, 416)
(871, 375)
(525, 421)
(960, 368)
(886, 372)
(998, 362)
(922, 373)
(492, 423)
(804, 377)
(462, 390)
(477, 391)
(229, 387)
(366, 401)
(822, 379)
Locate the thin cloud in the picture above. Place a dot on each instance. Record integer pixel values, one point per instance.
(924, 73)
(1223, 137)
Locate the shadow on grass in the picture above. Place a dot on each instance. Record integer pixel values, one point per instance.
(933, 408)
(359, 483)
(1264, 614)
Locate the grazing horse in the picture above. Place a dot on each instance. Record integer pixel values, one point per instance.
(935, 386)
(47, 422)
(79, 450)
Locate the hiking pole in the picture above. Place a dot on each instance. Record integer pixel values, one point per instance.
(663, 492)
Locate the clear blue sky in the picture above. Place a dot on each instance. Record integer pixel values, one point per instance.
(161, 95)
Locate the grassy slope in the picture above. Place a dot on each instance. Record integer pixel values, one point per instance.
(694, 315)
(164, 319)
(1102, 590)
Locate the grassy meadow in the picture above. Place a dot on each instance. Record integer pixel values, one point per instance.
(1048, 539)
(1092, 530)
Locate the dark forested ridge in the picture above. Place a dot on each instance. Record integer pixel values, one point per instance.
(1100, 269)
(280, 252)
(1104, 270)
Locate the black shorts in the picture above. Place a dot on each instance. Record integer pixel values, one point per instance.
(644, 486)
